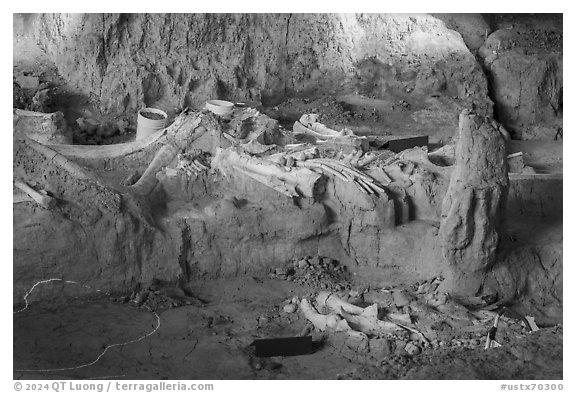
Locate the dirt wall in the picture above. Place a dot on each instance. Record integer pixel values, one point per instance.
(126, 61)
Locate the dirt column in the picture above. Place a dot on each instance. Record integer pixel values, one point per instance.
(473, 208)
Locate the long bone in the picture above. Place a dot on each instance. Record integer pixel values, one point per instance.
(46, 201)
(323, 167)
(107, 199)
(148, 180)
(289, 181)
(60, 160)
(364, 182)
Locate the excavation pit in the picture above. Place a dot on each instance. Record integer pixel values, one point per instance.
(166, 256)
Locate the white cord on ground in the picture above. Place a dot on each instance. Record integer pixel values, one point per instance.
(44, 282)
(105, 349)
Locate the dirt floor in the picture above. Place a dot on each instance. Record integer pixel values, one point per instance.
(212, 341)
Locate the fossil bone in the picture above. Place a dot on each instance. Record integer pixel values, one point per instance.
(323, 322)
(107, 199)
(43, 200)
(344, 173)
(308, 125)
(362, 319)
(293, 182)
(148, 180)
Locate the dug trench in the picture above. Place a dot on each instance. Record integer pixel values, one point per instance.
(166, 257)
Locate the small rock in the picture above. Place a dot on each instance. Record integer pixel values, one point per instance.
(315, 260)
(131, 179)
(412, 349)
(303, 264)
(400, 298)
(28, 82)
(281, 271)
(354, 293)
(413, 335)
(141, 297)
(290, 308)
(400, 345)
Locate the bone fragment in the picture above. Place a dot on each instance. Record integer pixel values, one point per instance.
(310, 121)
(366, 159)
(45, 201)
(532, 324)
(324, 168)
(299, 156)
(333, 302)
(309, 125)
(363, 319)
(323, 322)
(200, 165)
(148, 180)
(294, 145)
(195, 167)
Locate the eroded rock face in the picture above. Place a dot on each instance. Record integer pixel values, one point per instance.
(473, 208)
(473, 28)
(178, 60)
(532, 271)
(528, 93)
(525, 67)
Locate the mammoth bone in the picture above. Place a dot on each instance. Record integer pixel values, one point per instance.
(288, 181)
(344, 316)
